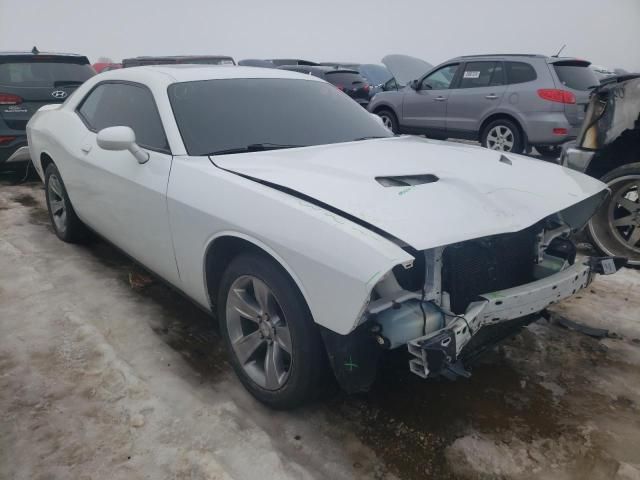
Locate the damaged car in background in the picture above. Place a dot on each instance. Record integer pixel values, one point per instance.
(608, 148)
(319, 240)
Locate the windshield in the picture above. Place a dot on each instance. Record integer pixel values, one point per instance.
(576, 77)
(43, 74)
(376, 74)
(222, 115)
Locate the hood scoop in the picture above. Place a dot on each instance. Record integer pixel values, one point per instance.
(407, 180)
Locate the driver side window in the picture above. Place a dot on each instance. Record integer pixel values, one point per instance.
(440, 79)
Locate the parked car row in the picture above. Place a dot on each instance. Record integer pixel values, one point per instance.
(509, 103)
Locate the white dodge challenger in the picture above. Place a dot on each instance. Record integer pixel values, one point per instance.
(316, 237)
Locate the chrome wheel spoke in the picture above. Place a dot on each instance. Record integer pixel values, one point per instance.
(634, 237)
(262, 294)
(54, 184)
(242, 303)
(246, 347)
(283, 337)
(628, 205)
(272, 369)
(624, 221)
(57, 206)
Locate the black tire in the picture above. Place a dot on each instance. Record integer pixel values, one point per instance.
(551, 151)
(610, 239)
(308, 367)
(515, 134)
(70, 229)
(389, 119)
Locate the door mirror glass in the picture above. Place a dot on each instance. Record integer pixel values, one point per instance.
(120, 139)
(414, 84)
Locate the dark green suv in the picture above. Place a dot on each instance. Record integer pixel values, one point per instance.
(29, 80)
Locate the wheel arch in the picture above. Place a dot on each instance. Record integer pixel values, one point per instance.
(224, 247)
(504, 116)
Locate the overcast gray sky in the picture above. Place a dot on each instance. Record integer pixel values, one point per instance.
(606, 32)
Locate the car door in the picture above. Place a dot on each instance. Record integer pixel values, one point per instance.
(425, 106)
(121, 199)
(479, 92)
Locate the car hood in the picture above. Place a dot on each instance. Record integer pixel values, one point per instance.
(471, 192)
(406, 68)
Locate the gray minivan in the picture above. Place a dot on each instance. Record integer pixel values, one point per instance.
(507, 102)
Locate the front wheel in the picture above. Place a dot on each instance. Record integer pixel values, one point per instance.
(275, 346)
(615, 228)
(388, 119)
(503, 135)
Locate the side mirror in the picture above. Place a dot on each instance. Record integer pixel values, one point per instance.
(119, 139)
(414, 84)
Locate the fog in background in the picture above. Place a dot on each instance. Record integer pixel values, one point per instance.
(607, 32)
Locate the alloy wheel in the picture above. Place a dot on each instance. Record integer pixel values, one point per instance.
(57, 204)
(386, 120)
(258, 332)
(500, 138)
(624, 212)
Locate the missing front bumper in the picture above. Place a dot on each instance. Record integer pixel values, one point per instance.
(439, 353)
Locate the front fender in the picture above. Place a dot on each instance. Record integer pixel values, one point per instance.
(334, 261)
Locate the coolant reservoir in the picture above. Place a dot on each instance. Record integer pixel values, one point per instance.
(399, 325)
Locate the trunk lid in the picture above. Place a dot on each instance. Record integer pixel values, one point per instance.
(437, 193)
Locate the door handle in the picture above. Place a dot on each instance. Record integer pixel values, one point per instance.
(491, 96)
(440, 99)
(86, 148)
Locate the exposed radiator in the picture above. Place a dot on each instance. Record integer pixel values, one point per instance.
(486, 265)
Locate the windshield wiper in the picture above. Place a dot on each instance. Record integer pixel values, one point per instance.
(371, 137)
(254, 147)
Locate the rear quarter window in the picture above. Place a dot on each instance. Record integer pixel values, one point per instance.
(519, 72)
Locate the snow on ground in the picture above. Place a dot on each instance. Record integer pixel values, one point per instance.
(101, 380)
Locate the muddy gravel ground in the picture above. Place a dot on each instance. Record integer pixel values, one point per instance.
(102, 376)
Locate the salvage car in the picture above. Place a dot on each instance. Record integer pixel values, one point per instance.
(608, 148)
(316, 236)
(506, 102)
(29, 80)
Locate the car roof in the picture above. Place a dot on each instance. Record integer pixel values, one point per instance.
(41, 54)
(175, 57)
(168, 74)
(511, 56)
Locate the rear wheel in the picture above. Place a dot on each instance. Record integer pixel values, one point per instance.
(503, 135)
(66, 224)
(615, 228)
(275, 346)
(388, 119)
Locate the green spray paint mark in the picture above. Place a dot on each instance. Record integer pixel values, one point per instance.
(350, 365)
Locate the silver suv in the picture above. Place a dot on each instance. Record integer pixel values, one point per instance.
(507, 102)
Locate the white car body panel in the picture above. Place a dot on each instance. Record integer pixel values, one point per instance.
(167, 212)
(476, 194)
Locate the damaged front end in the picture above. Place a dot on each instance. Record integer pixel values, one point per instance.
(455, 301)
